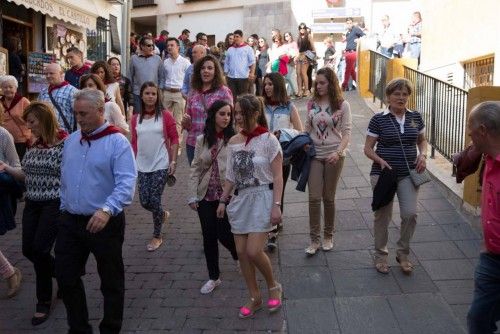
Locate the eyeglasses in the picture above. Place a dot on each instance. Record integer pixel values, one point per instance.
(300, 28)
(149, 45)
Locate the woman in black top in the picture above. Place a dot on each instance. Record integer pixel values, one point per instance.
(305, 49)
(125, 85)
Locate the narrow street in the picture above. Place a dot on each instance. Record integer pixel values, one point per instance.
(334, 292)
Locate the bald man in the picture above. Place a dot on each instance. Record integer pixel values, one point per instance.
(60, 94)
(199, 51)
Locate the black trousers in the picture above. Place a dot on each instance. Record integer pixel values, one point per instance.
(215, 229)
(238, 86)
(73, 246)
(40, 219)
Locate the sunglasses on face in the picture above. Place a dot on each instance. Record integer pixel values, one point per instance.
(149, 45)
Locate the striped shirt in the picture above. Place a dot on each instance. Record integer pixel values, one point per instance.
(383, 126)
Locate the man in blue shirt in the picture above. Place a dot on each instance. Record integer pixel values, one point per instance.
(352, 37)
(239, 66)
(98, 175)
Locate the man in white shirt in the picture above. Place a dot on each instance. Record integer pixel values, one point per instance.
(387, 37)
(174, 68)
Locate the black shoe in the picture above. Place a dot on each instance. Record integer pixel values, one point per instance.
(45, 310)
(271, 244)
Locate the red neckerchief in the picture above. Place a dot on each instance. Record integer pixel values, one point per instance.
(111, 129)
(15, 100)
(220, 135)
(80, 71)
(61, 134)
(62, 84)
(149, 113)
(239, 46)
(255, 133)
(106, 99)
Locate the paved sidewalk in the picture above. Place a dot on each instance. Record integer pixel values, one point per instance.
(335, 292)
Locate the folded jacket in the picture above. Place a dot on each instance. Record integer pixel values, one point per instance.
(385, 189)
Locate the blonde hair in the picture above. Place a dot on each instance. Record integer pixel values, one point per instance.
(43, 112)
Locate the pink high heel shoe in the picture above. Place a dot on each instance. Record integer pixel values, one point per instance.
(248, 310)
(274, 304)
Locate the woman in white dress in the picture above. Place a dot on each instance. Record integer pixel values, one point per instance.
(101, 68)
(253, 171)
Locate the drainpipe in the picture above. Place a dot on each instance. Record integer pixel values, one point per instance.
(126, 9)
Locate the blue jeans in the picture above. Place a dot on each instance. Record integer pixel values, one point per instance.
(484, 311)
(415, 50)
(137, 104)
(190, 153)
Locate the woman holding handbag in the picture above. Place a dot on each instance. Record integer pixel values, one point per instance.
(205, 184)
(397, 132)
(154, 142)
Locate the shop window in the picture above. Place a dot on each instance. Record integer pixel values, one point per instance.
(97, 40)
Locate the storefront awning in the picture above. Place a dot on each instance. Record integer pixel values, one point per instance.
(84, 14)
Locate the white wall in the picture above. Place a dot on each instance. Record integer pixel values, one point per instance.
(216, 22)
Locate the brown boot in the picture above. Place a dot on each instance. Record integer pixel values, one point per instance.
(14, 283)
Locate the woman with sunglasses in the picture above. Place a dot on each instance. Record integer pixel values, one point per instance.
(154, 142)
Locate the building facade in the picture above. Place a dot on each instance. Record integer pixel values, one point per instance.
(43, 31)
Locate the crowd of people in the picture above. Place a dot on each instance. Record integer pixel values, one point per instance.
(76, 154)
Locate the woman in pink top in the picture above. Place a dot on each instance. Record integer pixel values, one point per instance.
(208, 85)
(14, 105)
(154, 142)
(329, 125)
(292, 50)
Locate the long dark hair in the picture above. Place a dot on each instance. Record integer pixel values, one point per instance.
(158, 106)
(210, 137)
(280, 95)
(252, 108)
(335, 97)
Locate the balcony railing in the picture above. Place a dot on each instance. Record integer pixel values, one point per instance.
(443, 107)
(378, 77)
(143, 3)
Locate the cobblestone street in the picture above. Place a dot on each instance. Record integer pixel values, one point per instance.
(334, 292)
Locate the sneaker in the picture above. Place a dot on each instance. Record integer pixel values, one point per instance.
(327, 244)
(271, 243)
(312, 249)
(210, 286)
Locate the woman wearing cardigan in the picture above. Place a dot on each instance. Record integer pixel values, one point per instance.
(205, 184)
(329, 125)
(13, 105)
(154, 142)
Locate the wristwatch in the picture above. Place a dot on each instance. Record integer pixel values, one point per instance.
(107, 211)
(277, 203)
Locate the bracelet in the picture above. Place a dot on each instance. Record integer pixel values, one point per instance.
(173, 162)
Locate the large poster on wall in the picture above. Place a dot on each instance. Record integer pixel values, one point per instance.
(60, 38)
(37, 61)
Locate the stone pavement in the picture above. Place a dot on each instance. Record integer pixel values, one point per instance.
(334, 292)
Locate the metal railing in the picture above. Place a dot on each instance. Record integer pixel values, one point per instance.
(443, 107)
(479, 72)
(378, 77)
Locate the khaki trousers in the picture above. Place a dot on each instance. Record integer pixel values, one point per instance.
(175, 103)
(323, 179)
(407, 195)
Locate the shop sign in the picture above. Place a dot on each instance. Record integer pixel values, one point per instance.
(60, 11)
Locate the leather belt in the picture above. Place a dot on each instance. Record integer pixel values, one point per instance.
(350, 50)
(172, 90)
